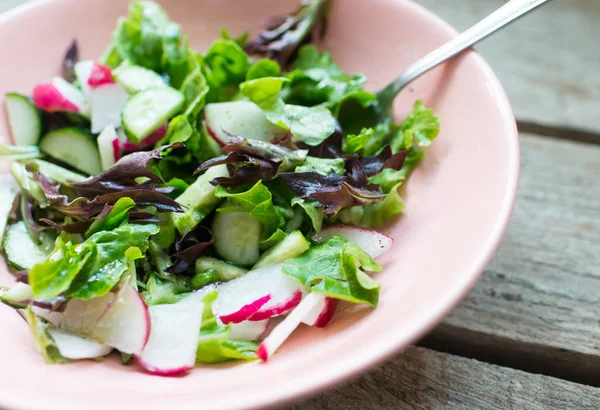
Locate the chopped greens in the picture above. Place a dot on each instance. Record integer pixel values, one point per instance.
(228, 183)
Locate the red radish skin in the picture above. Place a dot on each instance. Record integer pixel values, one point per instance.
(116, 149)
(213, 135)
(149, 141)
(327, 313)
(245, 312)
(100, 75)
(284, 329)
(262, 352)
(47, 97)
(278, 309)
(163, 372)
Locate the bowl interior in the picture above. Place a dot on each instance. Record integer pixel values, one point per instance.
(457, 202)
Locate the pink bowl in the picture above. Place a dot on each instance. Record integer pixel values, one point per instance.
(458, 203)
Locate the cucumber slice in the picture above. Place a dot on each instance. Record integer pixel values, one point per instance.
(226, 271)
(238, 235)
(293, 245)
(198, 200)
(57, 173)
(24, 119)
(18, 296)
(149, 109)
(74, 147)
(21, 251)
(134, 78)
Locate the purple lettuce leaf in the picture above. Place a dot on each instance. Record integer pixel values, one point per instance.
(189, 248)
(69, 60)
(281, 40)
(250, 161)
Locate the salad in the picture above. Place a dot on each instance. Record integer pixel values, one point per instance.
(181, 207)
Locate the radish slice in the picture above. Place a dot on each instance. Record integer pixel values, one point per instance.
(75, 347)
(107, 102)
(244, 298)
(241, 313)
(247, 330)
(241, 118)
(100, 75)
(322, 314)
(373, 242)
(124, 324)
(286, 292)
(149, 141)
(59, 95)
(173, 341)
(106, 139)
(287, 326)
(83, 71)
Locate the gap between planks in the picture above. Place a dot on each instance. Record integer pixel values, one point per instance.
(537, 306)
(424, 379)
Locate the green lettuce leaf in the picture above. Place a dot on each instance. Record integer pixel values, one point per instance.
(323, 166)
(117, 215)
(356, 142)
(388, 178)
(258, 200)
(42, 339)
(214, 345)
(333, 268)
(225, 66)
(263, 68)
(315, 79)
(92, 268)
(312, 211)
(311, 125)
(419, 128)
(376, 215)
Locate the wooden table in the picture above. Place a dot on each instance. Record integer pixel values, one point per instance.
(528, 335)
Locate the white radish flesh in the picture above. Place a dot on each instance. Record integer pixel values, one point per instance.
(106, 141)
(240, 118)
(248, 330)
(75, 347)
(173, 341)
(107, 102)
(121, 321)
(283, 330)
(373, 242)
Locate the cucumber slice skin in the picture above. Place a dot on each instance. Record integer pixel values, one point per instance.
(198, 200)
(74, 147)
(24, 119)
(238, 235)
(134, 78)
(21, 250)
(147, 110)
(57, 173)
(226, 271)
(295, 244)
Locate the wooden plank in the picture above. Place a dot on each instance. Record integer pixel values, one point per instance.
(547, 61)
(424, 379)
(537, 306)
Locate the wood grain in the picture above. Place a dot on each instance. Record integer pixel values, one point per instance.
(548, 61)
(537, 306)
(424, 379)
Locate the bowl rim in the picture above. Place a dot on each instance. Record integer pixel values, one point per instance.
(396, 339)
